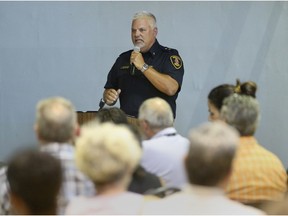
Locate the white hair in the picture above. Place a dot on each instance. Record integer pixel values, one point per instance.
(157, 112)
(144, 14)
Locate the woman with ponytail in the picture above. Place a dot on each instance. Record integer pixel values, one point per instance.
(217, 95)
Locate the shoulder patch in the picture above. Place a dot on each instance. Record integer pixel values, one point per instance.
(176, 61)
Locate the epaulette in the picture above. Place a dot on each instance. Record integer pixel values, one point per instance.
(126, 52)
(168, 50)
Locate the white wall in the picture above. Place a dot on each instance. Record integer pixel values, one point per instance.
(67, 49)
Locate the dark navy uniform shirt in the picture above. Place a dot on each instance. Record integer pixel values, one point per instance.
(137, 88)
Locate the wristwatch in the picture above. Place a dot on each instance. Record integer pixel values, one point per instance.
(144, 67)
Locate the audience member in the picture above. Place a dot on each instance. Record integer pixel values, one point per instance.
(113, 114)
(165, 149)
(219, 93)
(55, 127)
(208, 165)
(142, 181)
(258, 174)
(34, 178)
(109, 161)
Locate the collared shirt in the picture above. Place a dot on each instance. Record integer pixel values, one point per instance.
(199, 200)
(257, 175)
(74, 182)
(163, 155)
(137, 88)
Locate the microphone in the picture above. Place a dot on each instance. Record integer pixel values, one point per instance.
(101, 104)
(132, 66)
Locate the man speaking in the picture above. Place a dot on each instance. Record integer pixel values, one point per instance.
(149, 70)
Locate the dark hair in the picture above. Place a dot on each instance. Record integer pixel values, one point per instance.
(114, 114)
(247, 88)
(36, 178)
(219, 93)
(117, 116)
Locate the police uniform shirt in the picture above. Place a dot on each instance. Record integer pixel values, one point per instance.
(135, 88)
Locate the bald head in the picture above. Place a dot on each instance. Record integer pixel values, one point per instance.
(157, 112)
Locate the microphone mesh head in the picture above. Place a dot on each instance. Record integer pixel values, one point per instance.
(137, 49)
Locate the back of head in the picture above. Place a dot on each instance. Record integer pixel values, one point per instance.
(212, 149)
(241, 112)
(56, 120)
(144, 14)
(217, 95)
(35, 178)
(107, 153)
(157, 112)
(117, 116)
(114, 114)
(247, 88)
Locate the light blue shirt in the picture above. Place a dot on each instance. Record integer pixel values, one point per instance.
(163, 155)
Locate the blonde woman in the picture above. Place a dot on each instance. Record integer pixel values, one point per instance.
(108, 154)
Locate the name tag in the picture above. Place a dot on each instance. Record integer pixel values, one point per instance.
(125, 67)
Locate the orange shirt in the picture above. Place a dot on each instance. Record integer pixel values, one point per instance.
(257, 174)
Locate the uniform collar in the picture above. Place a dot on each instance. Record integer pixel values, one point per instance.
(154, 49)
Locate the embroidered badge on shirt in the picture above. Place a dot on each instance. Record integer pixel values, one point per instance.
(176, 61)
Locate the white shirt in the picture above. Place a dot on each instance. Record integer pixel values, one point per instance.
(199, 200)
(125, 203)
(163, 155)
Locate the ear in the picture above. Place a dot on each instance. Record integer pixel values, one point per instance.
(144, 128)
(155, 30)
(185, 161)
(77, 130)
(35, 127)
(36, 131)
(18, 206)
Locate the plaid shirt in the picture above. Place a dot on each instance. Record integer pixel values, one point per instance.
(257, 174)
(74, 182)
(4, 200)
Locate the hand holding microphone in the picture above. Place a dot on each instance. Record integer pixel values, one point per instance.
(136, 50)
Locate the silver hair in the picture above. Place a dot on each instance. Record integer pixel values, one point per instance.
(56, 119)
(157, 112)
(212, 149)
(241, 112)
(144, 14)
